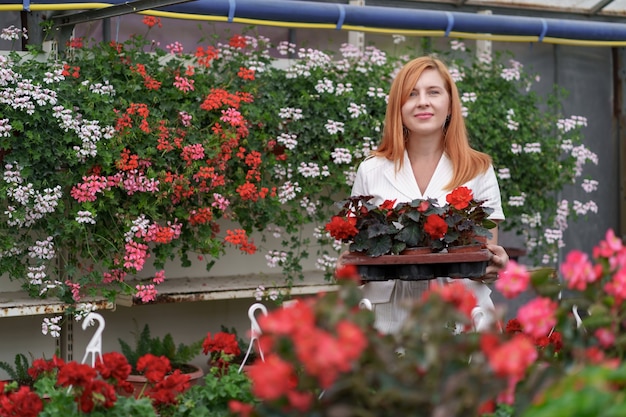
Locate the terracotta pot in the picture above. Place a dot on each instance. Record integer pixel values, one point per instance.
(139, 382)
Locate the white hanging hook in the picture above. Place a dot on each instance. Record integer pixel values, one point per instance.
(255, 331)
(365, 304)
(95, 344)
(579, 320)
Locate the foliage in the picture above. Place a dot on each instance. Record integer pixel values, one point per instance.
(119, 154)
(560, 354)
(18, 372)
(145, 343)
(391, 228)
(213, 397)
(467, 219)
(73, 389)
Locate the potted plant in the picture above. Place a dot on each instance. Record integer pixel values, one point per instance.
(148, 348)
(73, 389)
(368, 228)
(223, 386)
(18, 372)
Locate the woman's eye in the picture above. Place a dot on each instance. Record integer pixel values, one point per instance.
(434, 92)
(413, 94)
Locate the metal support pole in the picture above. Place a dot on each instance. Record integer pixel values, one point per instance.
(357, 38)
(65, 342)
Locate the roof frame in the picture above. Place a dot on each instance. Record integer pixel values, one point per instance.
(595, 14)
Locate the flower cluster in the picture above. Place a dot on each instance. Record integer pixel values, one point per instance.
(391, 228)
(558, 352)
(74, 388)
(222, 349)
(111, 388)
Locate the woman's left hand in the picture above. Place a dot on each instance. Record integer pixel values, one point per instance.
(498, 261)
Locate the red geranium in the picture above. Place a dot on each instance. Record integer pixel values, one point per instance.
(342, 228)
(154, 368)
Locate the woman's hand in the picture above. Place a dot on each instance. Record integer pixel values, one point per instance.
(498, 261)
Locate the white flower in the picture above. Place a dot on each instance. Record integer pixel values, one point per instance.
(341, 156)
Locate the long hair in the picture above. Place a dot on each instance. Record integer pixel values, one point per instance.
(466, 161)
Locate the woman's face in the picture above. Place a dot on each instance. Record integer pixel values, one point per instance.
(428, 105)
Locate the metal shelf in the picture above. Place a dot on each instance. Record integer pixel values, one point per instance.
(173, 290)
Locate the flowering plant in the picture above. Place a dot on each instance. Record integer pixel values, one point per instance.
(179, 355)
(391, 228)
(323, 354)
(73, 389)
(369, 228)
(466, 218)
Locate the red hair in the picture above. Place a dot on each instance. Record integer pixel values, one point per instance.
(467, 162)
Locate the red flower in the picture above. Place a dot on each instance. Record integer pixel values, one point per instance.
(237, 41)
(458, 295)
(242, 409)
(22, 403)
(76, 374)
(221, 342)
(435, 226)
(460, 197)
(41, 366)
(342, 228)
(154, 368)
(150, 21)
(348, 273)
(114, 365)
(97, 393)
(423, 206)
(273, 378)
(388, 205)
(512, 358)
(513, 326)
(167, 390)
(556, 339)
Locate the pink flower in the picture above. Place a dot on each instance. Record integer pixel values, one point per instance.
(146, 293)
(514, 280)
(608, 247)
(577, 270)
(537, 317)
(232, 116)
(136, 255)
(159, 277)
(193, 153)
(605, 337)
(617, 286)
(184, 84)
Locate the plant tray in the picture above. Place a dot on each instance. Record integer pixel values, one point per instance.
(417, 267)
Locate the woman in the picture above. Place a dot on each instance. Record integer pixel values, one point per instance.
(425, 153)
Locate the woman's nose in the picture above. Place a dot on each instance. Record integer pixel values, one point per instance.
(422, 99)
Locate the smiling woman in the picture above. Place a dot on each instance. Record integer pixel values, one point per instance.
(425, 153)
